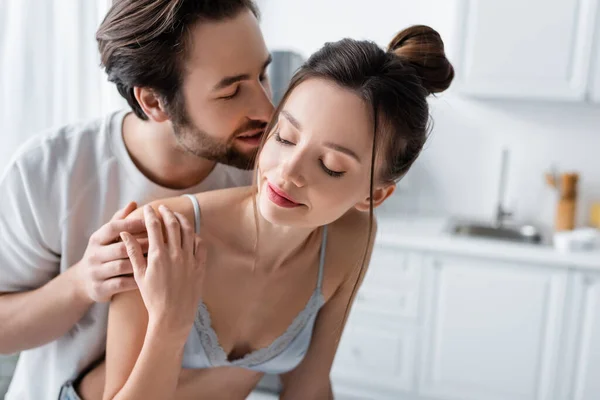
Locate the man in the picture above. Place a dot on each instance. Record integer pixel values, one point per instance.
(193, 73)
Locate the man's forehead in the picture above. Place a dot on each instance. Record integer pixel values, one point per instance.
(233, 46)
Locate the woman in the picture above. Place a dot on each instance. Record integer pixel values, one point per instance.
(270, 284)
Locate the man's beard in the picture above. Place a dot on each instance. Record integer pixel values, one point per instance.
(196, 141)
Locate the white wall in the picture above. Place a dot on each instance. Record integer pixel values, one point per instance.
(50, 71)
(459, 170)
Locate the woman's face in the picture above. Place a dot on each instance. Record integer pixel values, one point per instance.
(315, 165)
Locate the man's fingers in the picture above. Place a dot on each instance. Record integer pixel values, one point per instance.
(119, 285)
(117, 251)
(109, 232)
(116, 268)
(136, 256)
(154, 228)
(125, 211)
(173, 227)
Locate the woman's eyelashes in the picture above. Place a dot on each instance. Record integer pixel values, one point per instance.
(281, 140)
(330, 172)
(335, 174)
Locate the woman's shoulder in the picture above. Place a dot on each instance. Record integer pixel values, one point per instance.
(213, 204)
(354, 227)
(350, 239)
(222, 198)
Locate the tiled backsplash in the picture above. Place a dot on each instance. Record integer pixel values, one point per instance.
(7, 366)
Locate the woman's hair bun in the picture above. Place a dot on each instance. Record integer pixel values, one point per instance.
(422, 47)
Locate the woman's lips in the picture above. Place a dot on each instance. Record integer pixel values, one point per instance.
(279, 197)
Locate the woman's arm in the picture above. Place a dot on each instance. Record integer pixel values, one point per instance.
(142, 361)
(148, 328)
(310, 380)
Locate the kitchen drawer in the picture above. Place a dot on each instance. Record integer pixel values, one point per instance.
(398, 303)
(393, 269)
(377, 358)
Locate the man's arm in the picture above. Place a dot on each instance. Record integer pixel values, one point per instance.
(37, 304)
(31, 319)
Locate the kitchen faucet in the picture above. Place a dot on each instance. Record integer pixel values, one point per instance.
(501, 212)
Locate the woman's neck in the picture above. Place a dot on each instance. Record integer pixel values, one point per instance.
(276, 243)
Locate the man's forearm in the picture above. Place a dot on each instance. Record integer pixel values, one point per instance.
(31, 319)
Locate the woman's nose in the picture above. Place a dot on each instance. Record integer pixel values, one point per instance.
(291, 170)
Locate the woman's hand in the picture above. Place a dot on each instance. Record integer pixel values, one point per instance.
(170, 280)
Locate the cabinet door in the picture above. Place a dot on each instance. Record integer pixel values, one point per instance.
(595, 71)
(376, 359)
(582, 360)
(391, 287)
(535, 49)
(491, 329)
(377, 352)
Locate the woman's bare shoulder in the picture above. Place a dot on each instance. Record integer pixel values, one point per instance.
(351, 239)
(211, 203)
(222, 198)
(354, 227)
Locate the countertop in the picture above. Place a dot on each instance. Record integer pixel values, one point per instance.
(431, 234)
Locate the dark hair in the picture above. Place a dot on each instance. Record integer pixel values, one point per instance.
(395, 85)
(144, 42)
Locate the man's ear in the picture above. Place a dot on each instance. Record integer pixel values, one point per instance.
(379, 196)
(151, 104)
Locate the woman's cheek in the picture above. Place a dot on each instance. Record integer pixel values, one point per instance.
(268, 156)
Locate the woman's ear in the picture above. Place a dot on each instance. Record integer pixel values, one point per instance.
(379, 196)
(151, 104)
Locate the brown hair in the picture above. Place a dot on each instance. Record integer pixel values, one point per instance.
(395, 85)
(144, 43)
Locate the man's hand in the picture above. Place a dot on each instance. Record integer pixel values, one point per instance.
(105, 268)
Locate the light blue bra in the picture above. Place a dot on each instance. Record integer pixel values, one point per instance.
(202, 349)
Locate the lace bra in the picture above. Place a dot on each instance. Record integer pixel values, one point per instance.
(202, 348)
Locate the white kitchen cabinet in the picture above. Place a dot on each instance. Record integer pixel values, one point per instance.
(391, 287)
(377, 353)
(595, 70)
(535, 49)
(376, 359)
(582, 360)
(491, 329)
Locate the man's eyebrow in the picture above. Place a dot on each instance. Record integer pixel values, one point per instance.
(230, 80)
(267, 62)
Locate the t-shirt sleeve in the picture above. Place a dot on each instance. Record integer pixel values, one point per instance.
(29, 229)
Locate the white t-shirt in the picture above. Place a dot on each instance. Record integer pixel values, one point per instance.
(60, 188)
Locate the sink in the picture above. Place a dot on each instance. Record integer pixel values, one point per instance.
(514, 233)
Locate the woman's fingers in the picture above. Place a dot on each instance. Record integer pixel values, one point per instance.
(154, 229)
(187, 232)
(173, 227)
(135, 253)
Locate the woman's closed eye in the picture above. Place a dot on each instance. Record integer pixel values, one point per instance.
(335, 174)
(281, 140)
(330, 172)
